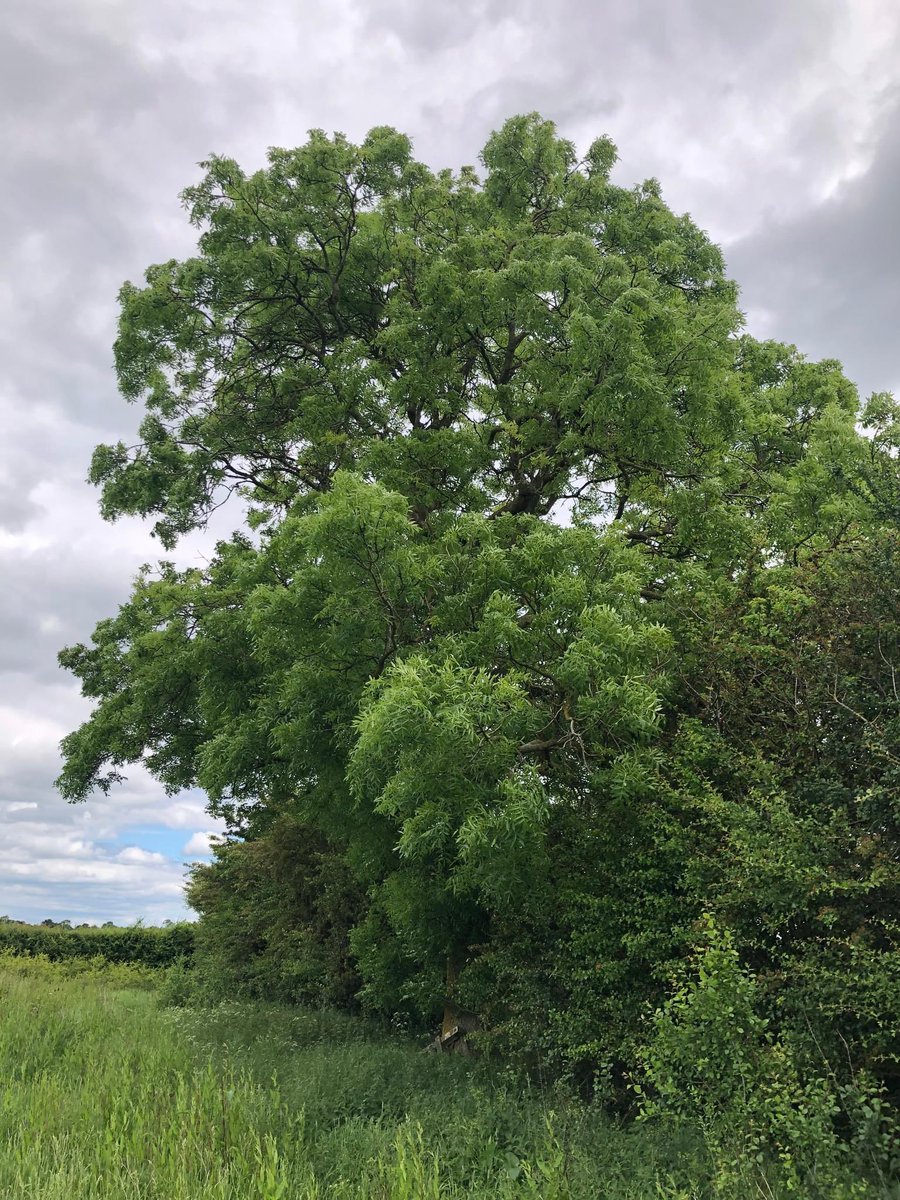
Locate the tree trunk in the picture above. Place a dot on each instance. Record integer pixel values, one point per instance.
(457, 1022)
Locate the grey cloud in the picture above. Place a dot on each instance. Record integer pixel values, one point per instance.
(16, 508)
(429, 28)
(747, 113)
(829, 281)
(50, 601)
(103, 138)
(657, 27)
(544, 93)
(730, 105)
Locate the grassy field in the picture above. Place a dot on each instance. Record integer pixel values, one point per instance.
(106, 1094)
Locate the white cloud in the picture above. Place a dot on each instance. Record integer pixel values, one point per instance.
(134, 854)
(199, 845)
(51, 866)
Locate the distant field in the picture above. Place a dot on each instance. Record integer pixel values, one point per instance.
(106, 1094)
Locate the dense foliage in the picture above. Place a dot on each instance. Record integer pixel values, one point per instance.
(557, 656)
(146, 945)
(106, 1094)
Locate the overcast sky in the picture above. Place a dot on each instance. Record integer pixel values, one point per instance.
(776, 124)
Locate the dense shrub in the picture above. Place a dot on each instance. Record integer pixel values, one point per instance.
(276, 913)
(147, 945)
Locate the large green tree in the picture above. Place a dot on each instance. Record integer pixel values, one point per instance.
(530, 535)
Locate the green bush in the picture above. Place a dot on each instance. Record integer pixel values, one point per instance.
(713, 1061)
(147, 945)
(276, 911)
(176, 988)
(97, 970)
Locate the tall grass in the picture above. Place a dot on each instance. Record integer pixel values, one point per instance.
(104, 1095)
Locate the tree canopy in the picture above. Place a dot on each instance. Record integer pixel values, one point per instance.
(559, 611)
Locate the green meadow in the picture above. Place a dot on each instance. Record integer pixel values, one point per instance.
(109, 1093)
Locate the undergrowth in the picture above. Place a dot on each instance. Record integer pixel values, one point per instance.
(106, 1094)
